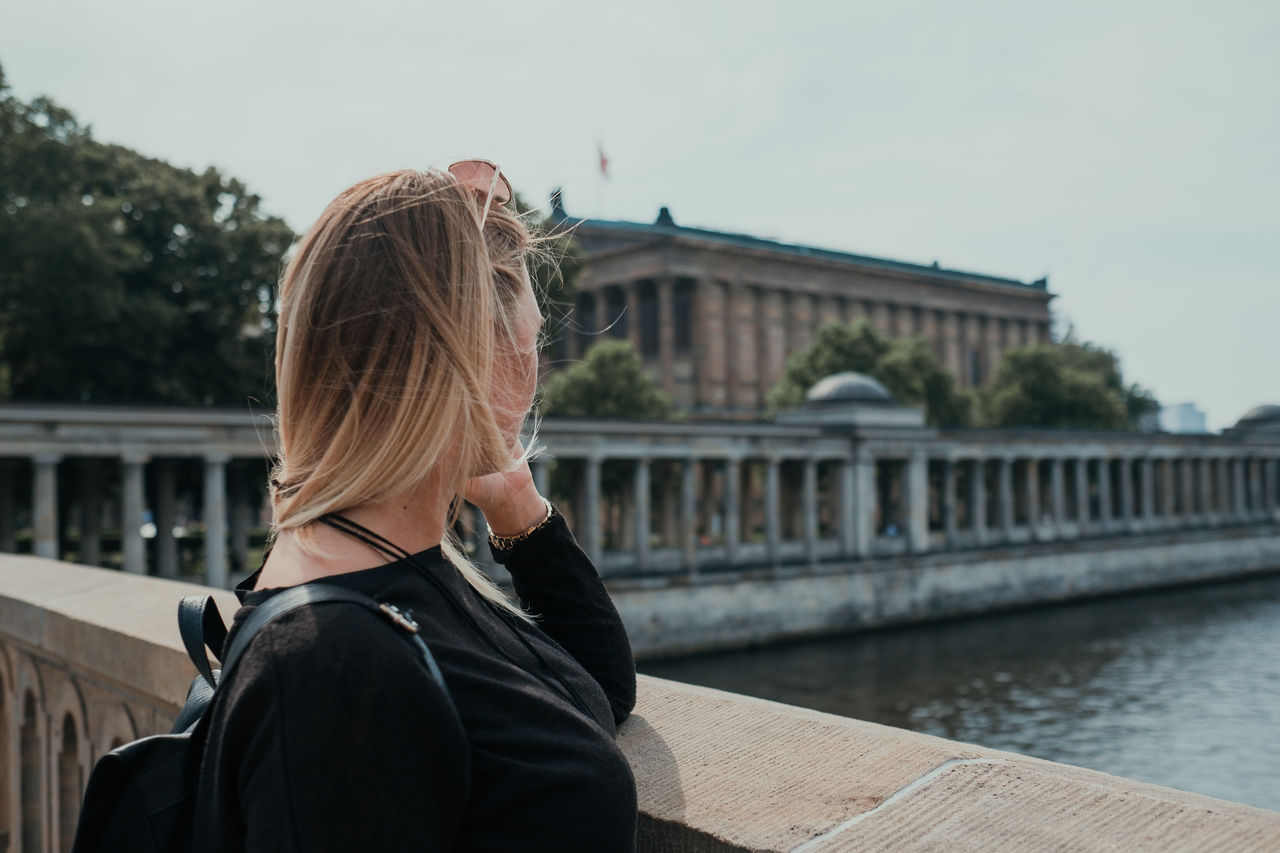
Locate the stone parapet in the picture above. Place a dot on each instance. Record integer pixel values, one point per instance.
(90, 657)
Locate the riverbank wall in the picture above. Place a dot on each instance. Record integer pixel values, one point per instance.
(90, 658)
(674, 616)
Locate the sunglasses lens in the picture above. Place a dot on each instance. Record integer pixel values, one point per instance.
(478, 175)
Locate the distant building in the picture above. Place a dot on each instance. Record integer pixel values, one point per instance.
(1182, 418)
(716, 315)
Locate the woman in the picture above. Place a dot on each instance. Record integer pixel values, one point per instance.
(406, 362)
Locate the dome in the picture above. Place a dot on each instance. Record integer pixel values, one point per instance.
(1261, 417)
(848, 387)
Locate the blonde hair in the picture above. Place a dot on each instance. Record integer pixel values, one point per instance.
(393, 310)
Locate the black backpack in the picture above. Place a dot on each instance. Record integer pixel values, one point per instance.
(141, 796)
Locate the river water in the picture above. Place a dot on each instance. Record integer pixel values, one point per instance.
(1179, 687)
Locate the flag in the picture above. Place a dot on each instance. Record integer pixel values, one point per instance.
(604, 161)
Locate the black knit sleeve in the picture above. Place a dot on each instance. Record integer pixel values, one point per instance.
(349, 743)
(555, 580)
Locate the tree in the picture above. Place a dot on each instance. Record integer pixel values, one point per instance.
(1065, 385)
(609, 382)
(126, 279)
(906, 366)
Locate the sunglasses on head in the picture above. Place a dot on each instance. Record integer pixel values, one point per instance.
(486, 179)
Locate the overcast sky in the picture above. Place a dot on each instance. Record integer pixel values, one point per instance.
(1128, 150)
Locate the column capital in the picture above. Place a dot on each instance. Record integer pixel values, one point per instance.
(46, 457)
(134, 456)
(216, 457)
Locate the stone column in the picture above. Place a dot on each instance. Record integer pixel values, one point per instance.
(848, 509)
(667, 333)
(44, 505)
(864, 489)
(918, 501)
(90, 513)
(134, 499)
(709, 354)
(1058, 496)
(689, 514)
(1104, 494)
(631, 293)
(166, 518)
(640, 490)
(215, 520)
(1004, 497)
(8, 537)
(953, 361)
(591, 533)
(1148, 491)
(733, 294)
(732, 508)
(949, 501)
(1082, 494)
(978, 500)
(811, 509)
(772, 508)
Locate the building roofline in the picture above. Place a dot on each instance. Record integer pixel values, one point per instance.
(665, 228)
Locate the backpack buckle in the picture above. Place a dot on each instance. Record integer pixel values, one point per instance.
(398, 616)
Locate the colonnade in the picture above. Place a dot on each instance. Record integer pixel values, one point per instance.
(227, 509)
(675, 498)
(789, 504)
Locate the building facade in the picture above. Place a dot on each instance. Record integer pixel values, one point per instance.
(716, 315)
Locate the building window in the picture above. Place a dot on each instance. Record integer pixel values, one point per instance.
(615, 312)
(648, 320)
(585, 323)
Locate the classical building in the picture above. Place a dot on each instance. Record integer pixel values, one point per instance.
(716, 315)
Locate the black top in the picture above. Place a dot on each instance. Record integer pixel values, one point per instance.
(330, 735)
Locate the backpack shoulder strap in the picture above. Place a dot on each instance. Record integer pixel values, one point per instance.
(312, 594)
(201, 625)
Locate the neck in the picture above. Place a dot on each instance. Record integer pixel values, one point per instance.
(413, 521)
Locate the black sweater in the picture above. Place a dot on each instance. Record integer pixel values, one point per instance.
(331, 736)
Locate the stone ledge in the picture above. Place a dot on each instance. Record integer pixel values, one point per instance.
(715, 771)
(720, 772)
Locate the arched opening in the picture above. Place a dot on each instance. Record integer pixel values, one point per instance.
(32, 778)
(6, 829)
(69, 784)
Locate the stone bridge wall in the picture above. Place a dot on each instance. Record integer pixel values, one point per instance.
(90, 658)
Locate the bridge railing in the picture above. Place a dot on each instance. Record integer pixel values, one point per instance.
(90, 658)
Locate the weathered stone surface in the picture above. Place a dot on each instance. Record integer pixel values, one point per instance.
(720, 772)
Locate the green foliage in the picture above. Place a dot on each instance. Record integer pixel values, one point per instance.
(124, 279)
(906, 366)
(1066, 385)
(609, 383)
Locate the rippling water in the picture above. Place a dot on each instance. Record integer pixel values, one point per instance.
(1179, 688)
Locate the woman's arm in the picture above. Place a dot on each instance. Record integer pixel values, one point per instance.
(555, 580)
